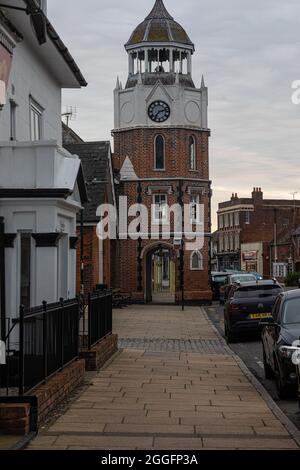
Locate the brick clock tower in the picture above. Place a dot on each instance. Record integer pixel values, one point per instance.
(161, 148)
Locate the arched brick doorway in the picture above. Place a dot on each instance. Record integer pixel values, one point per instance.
(160, 275)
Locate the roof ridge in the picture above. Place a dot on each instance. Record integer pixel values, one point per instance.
(159, 11)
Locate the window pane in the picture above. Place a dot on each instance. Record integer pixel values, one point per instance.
(35, 121)
(160, 209)
(192, 153)
(13, 120)
(194, 208)
(196, 261)
(159, 153)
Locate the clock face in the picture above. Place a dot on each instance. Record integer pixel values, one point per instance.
(159, 111)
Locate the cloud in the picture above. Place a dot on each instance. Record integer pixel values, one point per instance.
(249, 53)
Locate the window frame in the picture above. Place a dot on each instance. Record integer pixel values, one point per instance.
(195, 204)
(13, 120)
(36, 111)
(200, 266)
(247, 218)
(236, 219)
(155, 152)
(192, 144)
(163, 219)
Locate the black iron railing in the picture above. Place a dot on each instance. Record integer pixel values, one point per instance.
(99, 316)
(42, 341)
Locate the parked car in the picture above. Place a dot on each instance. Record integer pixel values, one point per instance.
(280, 337)
(247, 305)
(258, 276)
(218, 280)
(232, 279)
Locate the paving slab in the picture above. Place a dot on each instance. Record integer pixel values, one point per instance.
(170, 397)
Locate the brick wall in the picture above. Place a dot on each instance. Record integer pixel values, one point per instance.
(96, 357)
(15, 419)
(58, 388)
(91, 260)
(267, 212)
(138, 144)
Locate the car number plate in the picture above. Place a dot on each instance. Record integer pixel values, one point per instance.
(256, 316)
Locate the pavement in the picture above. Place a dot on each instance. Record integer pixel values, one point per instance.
(175, 385)
(8, 442)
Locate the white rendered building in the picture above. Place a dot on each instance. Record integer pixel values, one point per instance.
(41, 185)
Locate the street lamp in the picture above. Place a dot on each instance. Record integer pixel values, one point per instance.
(37, 19)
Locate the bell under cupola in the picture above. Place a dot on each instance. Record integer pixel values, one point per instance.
(159, 48)
(160, 90)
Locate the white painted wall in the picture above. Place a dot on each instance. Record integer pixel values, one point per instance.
(30, 77)
(188, 106)
(39, 217)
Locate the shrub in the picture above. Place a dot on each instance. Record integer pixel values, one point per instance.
(292, 279)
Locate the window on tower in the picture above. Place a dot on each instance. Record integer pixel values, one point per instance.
(159, 148)
(196, 261)
(192, 153)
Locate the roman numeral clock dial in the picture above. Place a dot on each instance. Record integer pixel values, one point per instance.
(159, 111)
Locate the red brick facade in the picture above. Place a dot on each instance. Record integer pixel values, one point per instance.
(138, 145)
(92, 260)
(270, 222)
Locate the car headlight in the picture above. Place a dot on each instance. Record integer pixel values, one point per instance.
(290, 352)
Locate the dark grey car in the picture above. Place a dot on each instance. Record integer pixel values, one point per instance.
(280, 337)
(248, 303)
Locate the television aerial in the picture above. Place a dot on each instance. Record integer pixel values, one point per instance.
(70, 114)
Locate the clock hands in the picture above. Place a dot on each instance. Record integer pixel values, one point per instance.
(157, 110)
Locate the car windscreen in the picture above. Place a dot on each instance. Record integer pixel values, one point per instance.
(220, 279)
(242, 278)
(291, 312)
(257, 291)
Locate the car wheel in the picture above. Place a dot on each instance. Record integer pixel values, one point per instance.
(269, 374)
(282, 388)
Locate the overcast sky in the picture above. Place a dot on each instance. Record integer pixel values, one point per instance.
(249, 53)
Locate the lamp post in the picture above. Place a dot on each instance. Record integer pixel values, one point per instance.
(181, 250)
(182, 274)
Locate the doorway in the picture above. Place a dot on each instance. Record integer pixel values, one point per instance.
(161, 276)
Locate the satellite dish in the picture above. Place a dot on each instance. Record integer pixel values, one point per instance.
(38, 23)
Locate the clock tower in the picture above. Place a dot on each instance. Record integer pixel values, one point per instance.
(161, 147)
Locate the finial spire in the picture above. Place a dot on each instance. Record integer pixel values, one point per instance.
(118, 83)
(202, 82)
(159, 11)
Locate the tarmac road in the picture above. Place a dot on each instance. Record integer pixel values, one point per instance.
(250, 351)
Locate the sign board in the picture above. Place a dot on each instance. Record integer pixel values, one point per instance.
(249, 255)
(2, 353)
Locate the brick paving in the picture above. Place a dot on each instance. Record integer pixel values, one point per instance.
(168, 398)
(162, 344)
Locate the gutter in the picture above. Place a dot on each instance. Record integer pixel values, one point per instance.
(60, 46)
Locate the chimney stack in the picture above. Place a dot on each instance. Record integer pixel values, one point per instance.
(257, 196)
